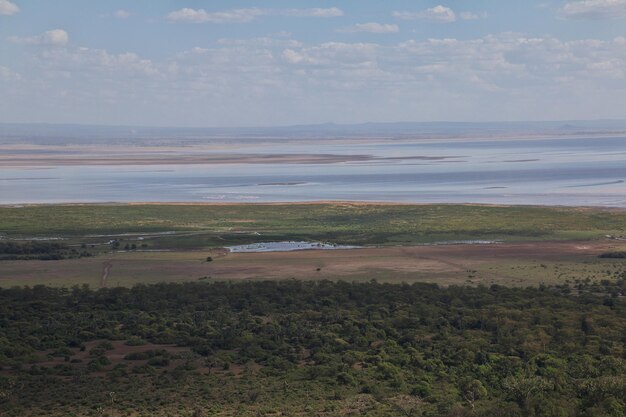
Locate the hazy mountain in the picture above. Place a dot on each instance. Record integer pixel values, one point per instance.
(69, 133)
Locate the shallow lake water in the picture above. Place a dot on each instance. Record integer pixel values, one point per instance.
(286, 246)
(579, 171)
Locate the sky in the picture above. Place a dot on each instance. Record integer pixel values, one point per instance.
(268, 63)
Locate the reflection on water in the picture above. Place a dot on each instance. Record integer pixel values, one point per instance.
(547, 171)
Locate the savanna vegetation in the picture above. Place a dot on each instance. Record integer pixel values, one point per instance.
(347, 223)
(293, 348)
(309, 347)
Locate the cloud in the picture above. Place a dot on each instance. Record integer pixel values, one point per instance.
(265, 42)
(96, 62)
(438, 13)
(7, 8)
(594, 9)
(54, 37)
(313, 12)
(293, 57)
(122, 14)
(246, 15)
(371, 27)
(472, 15)
(202, 16)
(199, 50)
(278, 80)
(508, 62)
(333, 53)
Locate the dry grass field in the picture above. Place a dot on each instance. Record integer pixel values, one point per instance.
(517, 264)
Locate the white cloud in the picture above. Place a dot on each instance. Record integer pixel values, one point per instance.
(122, 14)
(8, 74)
(371, 27)
(246, 15)
(293, 57)
(199, 50)
(277, 80)
(438, 13)
(511, 63)
(594, 9)
(313, 12)
(7, 8)
(54, 37)
(85, 61)
(333, 53)
(261, 42)
(202, 16)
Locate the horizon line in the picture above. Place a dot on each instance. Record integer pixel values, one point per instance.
(320, 124)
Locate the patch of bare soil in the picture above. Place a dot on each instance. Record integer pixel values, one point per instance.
(427, 259)
(453, 263)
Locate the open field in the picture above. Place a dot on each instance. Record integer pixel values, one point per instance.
(537, 244)
(516, 264)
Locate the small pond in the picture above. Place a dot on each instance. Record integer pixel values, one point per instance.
(286, 246)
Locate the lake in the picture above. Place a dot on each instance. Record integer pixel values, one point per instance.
(551, 171)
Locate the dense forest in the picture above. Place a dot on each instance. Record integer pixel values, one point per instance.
(43, 251)
(314, 348)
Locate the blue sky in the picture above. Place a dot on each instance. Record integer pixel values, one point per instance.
(252, 63)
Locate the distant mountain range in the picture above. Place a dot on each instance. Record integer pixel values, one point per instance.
(69, 133)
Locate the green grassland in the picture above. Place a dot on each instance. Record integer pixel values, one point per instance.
(173, 241)
(215, 225)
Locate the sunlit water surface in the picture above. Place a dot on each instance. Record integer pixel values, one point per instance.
(581, 171)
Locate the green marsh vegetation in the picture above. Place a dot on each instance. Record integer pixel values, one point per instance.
(347, 223)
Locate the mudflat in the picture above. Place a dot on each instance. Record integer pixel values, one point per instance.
(541, 171)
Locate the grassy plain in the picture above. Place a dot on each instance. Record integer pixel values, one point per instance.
(358, 223)
(539, 244)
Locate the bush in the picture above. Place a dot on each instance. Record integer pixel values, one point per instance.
(613, 255)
